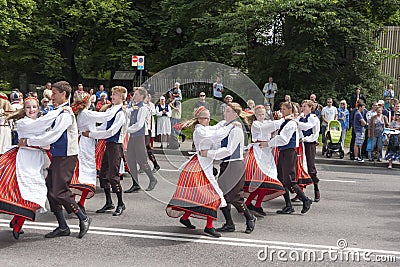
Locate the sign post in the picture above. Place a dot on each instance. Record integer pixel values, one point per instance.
(140, 67)
(138, 61)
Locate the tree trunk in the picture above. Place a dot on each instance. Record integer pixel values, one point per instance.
(67, 50)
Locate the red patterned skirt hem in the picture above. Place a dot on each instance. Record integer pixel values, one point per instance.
(11, 201)
(194, 193)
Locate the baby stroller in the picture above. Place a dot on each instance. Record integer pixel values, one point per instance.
(334, 139)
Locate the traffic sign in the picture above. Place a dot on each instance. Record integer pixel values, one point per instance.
(140, 67)
(134, 61)
(140, 61)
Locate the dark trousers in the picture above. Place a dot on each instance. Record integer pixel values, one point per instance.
(137, 155)
(217, 102)
(109, 172)
(58, 180)
(231, 180)
(310, 149)
(149, 149)
(352, 142)
(287, 168)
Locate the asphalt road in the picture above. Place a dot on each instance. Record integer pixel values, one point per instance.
(359, 207)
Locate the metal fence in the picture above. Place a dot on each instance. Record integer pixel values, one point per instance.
(389, 42)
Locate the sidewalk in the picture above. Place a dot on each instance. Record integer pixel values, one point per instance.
(186, 150)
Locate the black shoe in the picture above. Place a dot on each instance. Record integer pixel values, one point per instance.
(226, 228)
(156, 168)
(183, 138)
(140, 171)
(133, 189)
(152, 184)
(81, 207)
(15, 234)
(212, 232)
(317, 196)
(58, 232)
(118, 211)
(84, 227)
(295, 199)
(306, 205)
(187, 223)
(286, 210)
(105, 208)
(250, 224)
(259, 211)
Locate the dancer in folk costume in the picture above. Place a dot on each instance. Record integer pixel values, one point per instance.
(261, 174)
(63, 138)
(287, 140)
(84, 180)
(136, 153)
(309, 125)
(22, 184)
(232, 170)
(197, 193)
(114, 131)
(302, 177)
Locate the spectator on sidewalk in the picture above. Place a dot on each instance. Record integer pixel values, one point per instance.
(329, 113)
(103, 101)
(393, 148)
(343, 117)
(355, 97)
(269, 90)
(202, 102)
(375, 130)
(218, 89)
(389, 92)
(359, 124)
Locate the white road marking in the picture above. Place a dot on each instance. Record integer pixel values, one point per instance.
(229, 241)
(338, 181)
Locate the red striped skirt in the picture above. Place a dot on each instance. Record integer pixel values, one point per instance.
(303, 178)
(100, 148)
(194, 193)
(78, 188)
(256, 179)
(11, 201)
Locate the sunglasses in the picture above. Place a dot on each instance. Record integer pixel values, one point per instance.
(202, 95)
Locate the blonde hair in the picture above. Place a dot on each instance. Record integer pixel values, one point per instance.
(120, 89)
(250, 118)
(196, 115)
(19, 114)
(345, 103)
(308, 103)
(141, 90)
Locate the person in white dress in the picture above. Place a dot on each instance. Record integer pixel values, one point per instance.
(197, 177)
(261, 173)
(22, 184)
(163, 113)
(84, 180)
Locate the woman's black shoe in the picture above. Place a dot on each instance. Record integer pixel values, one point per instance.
(105, 208)
(187, 223)
(286, 210)
(226, 228)
(212, 232)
